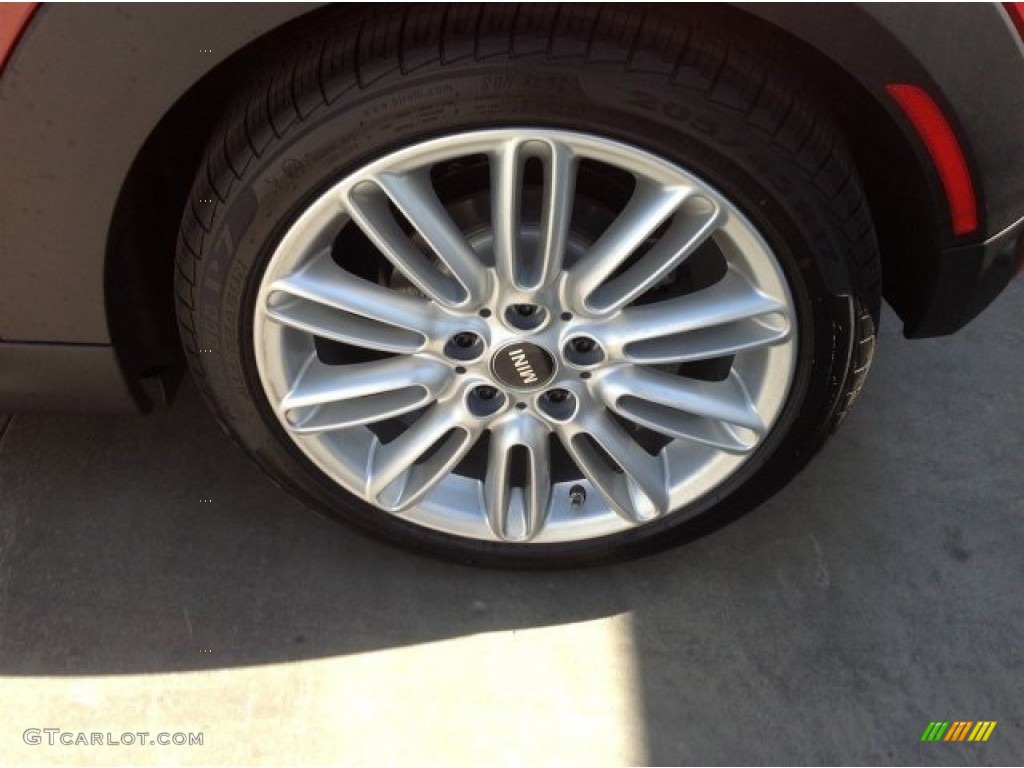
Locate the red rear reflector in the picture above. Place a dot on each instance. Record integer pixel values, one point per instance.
(947, 156)
(1016, 11)
(14, 17)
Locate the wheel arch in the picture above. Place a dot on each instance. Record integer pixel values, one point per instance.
(901, 185)
(139, 259)
(138, 271)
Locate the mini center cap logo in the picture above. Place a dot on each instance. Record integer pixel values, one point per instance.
(522, 365)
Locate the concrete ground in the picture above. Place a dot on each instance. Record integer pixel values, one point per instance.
(881, 590)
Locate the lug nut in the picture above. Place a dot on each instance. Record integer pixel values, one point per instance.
(464, 340)
(486, 393)
(525, 317)
(558, 395)
(559, 405)
(583, 344)
(464, 346)
(583, 351)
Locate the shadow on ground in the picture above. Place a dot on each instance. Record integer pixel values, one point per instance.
(880, 590)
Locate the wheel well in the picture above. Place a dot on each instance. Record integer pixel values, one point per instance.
(139, 264)
(907, 216)
(139, 267)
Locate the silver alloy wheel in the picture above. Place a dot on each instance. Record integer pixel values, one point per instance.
(525, 331)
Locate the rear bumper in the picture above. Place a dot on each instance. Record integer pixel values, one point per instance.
(968, 279)
(62, 377)
(970, 59)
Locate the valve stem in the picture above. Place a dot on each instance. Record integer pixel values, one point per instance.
(577, 495)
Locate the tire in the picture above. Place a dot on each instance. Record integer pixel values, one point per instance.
(671, 83)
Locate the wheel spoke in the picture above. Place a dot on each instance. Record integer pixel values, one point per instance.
(707, 412)
(634, 482)
(507, 166)
(649, 207)
(437, 440)
(518, 513)
(522, 270)
(694, 223)
(326, 397)
(414, 196)
(727, 317)
(463, 279)
(326, 300)
(710, 343)
(556, 212)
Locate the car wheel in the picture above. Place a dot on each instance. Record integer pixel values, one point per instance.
(547, 286)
